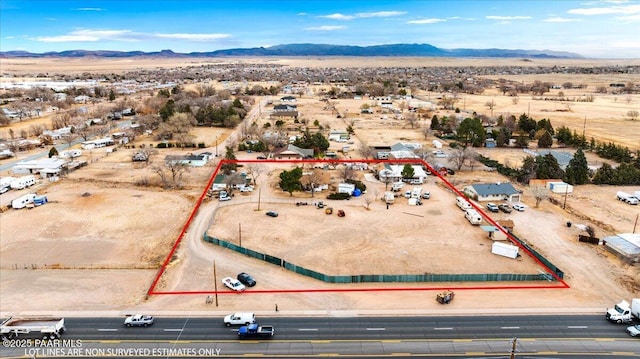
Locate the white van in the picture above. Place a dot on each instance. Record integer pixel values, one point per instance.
(239, 319)
(463, 203)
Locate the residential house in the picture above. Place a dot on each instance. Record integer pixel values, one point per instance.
(45, 167)
(293, 152)
(189, 160)
(393, 173)
(402, 150)
(498, 191)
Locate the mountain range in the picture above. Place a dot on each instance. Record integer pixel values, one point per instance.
(398, 50)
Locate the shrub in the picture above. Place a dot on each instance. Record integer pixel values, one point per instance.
(340, 196)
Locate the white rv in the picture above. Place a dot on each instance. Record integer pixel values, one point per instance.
(463, 203)
(473, 217)
(416, 192)
(23, 182)
(23, 201)
(5, 184)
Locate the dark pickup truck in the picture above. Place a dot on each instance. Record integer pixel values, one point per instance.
(255, 331)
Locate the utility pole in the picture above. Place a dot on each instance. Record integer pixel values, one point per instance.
(566, 191)
(636, 223)
(215, 282)
(259, 194)
(513, 348)
(240, 233)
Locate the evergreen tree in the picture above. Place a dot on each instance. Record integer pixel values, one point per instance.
(53, 151)
(407, 171)
(577, 171)
(290, 180)
(548, 167)
(231, 165)
(435, 125)
(545, 141)
(604, 174)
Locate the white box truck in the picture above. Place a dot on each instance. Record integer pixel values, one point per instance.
(389, 197)
(623, 312)
(45, 328)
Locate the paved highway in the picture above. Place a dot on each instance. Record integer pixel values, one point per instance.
(468, 337)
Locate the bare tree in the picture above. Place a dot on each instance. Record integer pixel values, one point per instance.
(177, 169)
(471, 157)
(426, 131)
(255, 170)
(412, 119)
(312, 180)
(633, 115)
(457, 157)
(540, 193)
(365, 150)
(368, 200)
(162, 173)
(232, 180)
(346, 172)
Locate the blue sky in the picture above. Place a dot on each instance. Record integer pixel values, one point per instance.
(598, 29)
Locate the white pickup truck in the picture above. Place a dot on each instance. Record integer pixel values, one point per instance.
(138, 320)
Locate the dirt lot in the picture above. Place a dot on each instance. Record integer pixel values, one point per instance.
(99, 252)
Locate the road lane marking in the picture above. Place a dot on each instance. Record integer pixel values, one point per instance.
(107, 330)
(308, 329)
(509, 327)
(173, 330)
(378, 329)
(577, 327)
(443, 328)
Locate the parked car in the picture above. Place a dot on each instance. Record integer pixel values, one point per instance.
(233, 284)
(407, 194)
(634, 330)
(246, 189)
(261, 158)
(426, 195)
(493, 207)
(138, 320)
(224, 198)
(246, 279)
(518, 207)
(272, 214)
(505, 208)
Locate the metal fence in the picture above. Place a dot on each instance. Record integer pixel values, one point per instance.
(392, 278)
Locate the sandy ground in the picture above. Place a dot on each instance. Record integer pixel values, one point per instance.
(100, 252)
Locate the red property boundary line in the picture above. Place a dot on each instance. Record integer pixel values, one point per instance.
(151, 291)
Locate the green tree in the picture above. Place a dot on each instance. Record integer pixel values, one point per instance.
(471, 132)
(168, 110)
(230, 165)
(290, 180)
(604, 174)
(545, 141)
(407, 171)
(53, 152)
(577, 171)
(548, 167)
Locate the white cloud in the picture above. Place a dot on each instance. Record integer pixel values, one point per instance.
(629, 9)
(507, 18)
(381, 14)
(193, 37)
(338, 16)
(86, 35)
(635, 17)
(426, 21)
(560, 19)
(325, 28)
(89, 9)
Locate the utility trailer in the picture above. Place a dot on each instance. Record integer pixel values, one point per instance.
(45, 328)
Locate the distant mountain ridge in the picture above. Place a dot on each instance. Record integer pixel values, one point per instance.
(414, 50)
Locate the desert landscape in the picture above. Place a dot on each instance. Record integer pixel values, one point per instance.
(108, 227)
